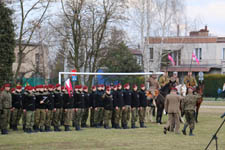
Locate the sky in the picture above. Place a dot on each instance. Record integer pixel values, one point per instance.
(208, 12)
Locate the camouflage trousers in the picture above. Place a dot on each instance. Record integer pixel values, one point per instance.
(67, 116)
(149, 113)
(40, 117)
(126, 114)
(49, 116)
(173, 118)
(92, 117)
(57, 116)
(85, 116)
(142, 112)
(190, 118)
(98, 115)
(134, 113)
(118, 115)
(16, 116)
(24, 118)
(78, 116)
(107, 117)
(29, 119)
(5, 118)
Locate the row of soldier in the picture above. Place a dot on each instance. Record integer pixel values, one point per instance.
(42, 107)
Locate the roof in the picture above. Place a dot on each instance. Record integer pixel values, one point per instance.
(186, 39)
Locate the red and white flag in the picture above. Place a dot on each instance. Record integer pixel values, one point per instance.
(69, 87)
(171, 59)
(195, 58)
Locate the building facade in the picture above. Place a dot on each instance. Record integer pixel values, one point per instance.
(210, 50)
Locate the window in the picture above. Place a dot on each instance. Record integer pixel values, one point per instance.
(198, 53)
(37, 58)
(223, 54)
(139, 59)
(151, 53)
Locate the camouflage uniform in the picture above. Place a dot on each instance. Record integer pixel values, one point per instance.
(68, 102)
(126, 112)
(5, 106)
(188, 106)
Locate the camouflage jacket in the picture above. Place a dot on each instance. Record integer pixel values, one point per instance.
(189, 102)
(5, 100)
(163, 81)
(190, 81)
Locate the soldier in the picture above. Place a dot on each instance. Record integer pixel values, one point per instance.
(93, 98)
(164, 79)
(188, 106)
(17, 99)
(172, 107)
(143, 105)
(50, 107)
(41, 109)
(135, 106)
(99, 104)
(190, 81)
(58, 104)
(108, 107)
(79, 106)
(29, 109)
(86, 109)
(114, 94)
(119, 106)
(5, 108)
(127, 102)
(68, 103)
(174, 79)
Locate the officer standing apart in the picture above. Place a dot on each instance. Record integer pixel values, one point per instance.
(188, 109)
(5, 108)
(189, 80)
(172, 107)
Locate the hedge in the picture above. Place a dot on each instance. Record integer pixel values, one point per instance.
(212, 83)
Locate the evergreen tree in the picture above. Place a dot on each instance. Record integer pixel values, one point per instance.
(120, 59)
(7, 44)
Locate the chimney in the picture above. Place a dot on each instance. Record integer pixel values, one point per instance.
(206, 28)
(178, 30)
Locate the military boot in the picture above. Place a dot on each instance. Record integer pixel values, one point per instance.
(4, 131)
(117, 126)
(133, 126)
(191, 133)
(15, 128)
(125, 126)
(77, 127)
(184, 129)
(67, 128)
(142, 125)
(42, 129)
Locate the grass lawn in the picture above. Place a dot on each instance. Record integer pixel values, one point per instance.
(213, 103)
(151, 138)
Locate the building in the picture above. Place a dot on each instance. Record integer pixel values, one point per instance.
(137, 55)
(210, 50)
(35, 62)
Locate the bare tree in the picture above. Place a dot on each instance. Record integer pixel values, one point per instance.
(27, 29)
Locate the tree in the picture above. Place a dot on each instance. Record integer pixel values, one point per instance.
(120, 59)
(27, 28)
(7, 44)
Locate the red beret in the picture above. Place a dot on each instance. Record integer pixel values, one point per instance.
(102, 86)
(108, 87)
(45, 86)
(50, 86)
(63, 88)
(99, 86)
(57, 85)
(19, 87)
(7, 85)
(40, 86)
(142, 85)
(13, 89)
(79, 86)
(115, 86)
(29, 88)
(126, 85)
(76, 87)
(134, 86)
(85, 88)
(93, 87)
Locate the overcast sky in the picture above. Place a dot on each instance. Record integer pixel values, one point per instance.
(210, 12)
